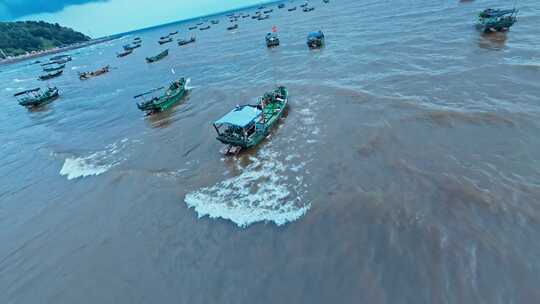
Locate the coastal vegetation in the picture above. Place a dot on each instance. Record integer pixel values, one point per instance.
(22, 37)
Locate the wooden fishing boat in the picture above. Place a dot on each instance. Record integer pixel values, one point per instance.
(55, 68)
(315, 40)
(51, 75)
(34, 98)
(281, 5)
(88, 75)
(173, 33)
(158, 57)
(191, 28)
(60, 57)
(246, 126)
(171, 96)
(124, 53)
(128, 47)
(496, 20)
(264, 17)
(232, 27)
(268, 11)
(214, 21)
(292, 9)
(245, 16)
(305, 4)
(272, 40)
(184, 42)
(163, 41)
(308, 9)
(205, 28)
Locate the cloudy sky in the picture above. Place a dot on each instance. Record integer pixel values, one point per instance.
(104, 17)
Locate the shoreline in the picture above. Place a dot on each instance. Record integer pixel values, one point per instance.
(56, 50)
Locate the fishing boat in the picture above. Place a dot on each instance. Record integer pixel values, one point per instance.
(292, 9)
(191, 28)
(205, 28)
(51, 75)
(264, 17)
(88, 75)
(326, 1)
(214, 21)
(200, 23)
(53, 69)
(124, 53)
(166, 40)
(315, 40)
(281, 5)
(246, 126)
(184, 42)
(59, 57)
(34, 98)
(232, 27)
(496, 20)
(171, 96)
(268, 11)
(137, 39)
(308, 9)
(129, 47)
(245, 16)
(304, 5)
(272, 40)
(59, 61)
(173, 33)
(158, 56)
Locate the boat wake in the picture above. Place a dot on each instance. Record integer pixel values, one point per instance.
(265, 191)
(94, 164)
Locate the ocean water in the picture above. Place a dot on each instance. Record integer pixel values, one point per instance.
(406, 169)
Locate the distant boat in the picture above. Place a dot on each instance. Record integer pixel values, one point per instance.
(59, 57)
(272, 40)
(205, 28)
(268, 11)
(214, 21)
(56, 68)
(173, 33)
(184, 42)
(34, 98)
(158, 56)
(292, 9)
(308, 9)
(304, 5)
(124, 53)
(264, 17)
(315, 40)
(281, 5)
(172, 95)
(326, 1)
(232, 27)
(163, 41)
(496, 20)
(129, 47)
(193, 28)
(245, 16)
(88, 75)
(51, 75)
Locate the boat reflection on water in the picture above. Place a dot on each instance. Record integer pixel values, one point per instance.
(493, 41)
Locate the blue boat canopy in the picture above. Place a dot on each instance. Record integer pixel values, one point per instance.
(315, 35)
(493, 13)
(240, 117)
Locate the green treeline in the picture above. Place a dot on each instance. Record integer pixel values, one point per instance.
(17, 38)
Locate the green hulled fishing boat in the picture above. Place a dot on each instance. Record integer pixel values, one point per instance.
(55, 68)
(496, 20)
(158, 57)
(171, 96)
(35, 98)
(124, 53)
(247, 125)
(51, 75)
(184, 42)
(315, 40)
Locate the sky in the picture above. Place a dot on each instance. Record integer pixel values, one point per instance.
(98, 18)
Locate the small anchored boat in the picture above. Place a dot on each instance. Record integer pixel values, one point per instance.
(272, 40)
(35, 98)
(281, 5)
(315, 40)
(304, 5)
(264, 17)
(88, 75)
(246, 126)
(268, 11)
(191, 28)
(166, 40)
(292, 9)
(171, 96)
(232, 27)
(124, 53)
(53, 69)
(205, 28)
(129, 47)
(214, 21)
(51, 75)
(184, 42)
(158, 57)
(173, 33)
(308, 9)
(496, 20)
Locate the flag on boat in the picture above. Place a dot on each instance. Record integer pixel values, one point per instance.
(274, 29)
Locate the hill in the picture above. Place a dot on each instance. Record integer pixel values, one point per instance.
(18, 38)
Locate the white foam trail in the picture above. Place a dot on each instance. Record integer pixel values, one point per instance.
(94, 164)
(261, 193)
(188, 82)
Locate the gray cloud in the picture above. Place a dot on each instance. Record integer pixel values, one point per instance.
(12, 9)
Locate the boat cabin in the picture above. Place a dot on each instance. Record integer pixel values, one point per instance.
(239, 125)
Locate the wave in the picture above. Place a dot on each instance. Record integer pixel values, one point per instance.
(94, 164)
(263, 192)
